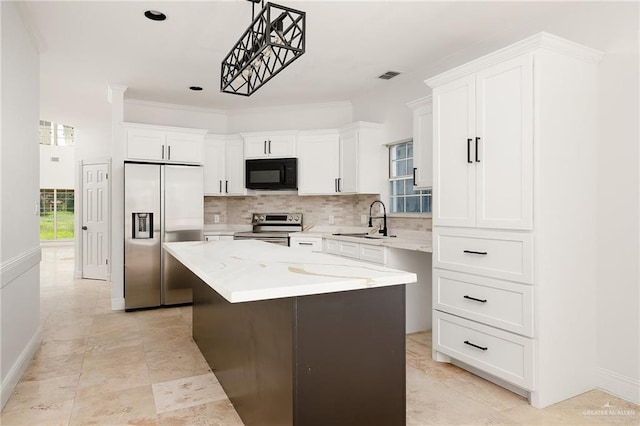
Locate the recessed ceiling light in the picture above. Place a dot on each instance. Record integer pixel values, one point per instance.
(154, 15)
(195, 88)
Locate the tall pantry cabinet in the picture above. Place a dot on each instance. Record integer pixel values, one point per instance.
(514, 146)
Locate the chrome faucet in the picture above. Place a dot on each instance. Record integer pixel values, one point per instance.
(383, 231)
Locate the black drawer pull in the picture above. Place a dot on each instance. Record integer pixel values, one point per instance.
(473, 298)
(477, 140)
(305, 244)
(469, 151)
(483, 253)
(466, 342)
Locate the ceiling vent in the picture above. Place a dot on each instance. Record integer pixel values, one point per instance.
(389, 75)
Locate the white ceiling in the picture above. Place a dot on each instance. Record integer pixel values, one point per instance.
(87, 45)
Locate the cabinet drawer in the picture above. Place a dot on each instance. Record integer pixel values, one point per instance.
(502, 354)
(497, 303)
(505, 255)
(212, 237)
(309, 244)
(374, 254)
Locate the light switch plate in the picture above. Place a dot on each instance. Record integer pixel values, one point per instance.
(332, 220)
(216, 218)
(363, 218)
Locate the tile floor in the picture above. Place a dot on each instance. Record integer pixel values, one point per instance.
(98, 367)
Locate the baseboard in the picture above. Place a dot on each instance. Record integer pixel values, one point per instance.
(17, 370)
(621, 386)
(77, 274)
(117, 303)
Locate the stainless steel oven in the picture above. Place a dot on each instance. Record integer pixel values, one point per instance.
(272, 227)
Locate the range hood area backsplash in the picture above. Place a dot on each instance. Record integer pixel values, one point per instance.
(346, 210)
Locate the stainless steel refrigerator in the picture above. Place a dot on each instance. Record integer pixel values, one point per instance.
(162, 203)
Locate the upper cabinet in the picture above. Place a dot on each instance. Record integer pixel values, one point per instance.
(422, 142)
(164, 144)
(272, 144)
(483, 147)
(223, 165)
(361, 159)
(318, 162)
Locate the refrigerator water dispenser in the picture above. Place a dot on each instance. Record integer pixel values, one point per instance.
(142, 226)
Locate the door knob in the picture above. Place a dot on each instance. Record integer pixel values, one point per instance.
(84, 228)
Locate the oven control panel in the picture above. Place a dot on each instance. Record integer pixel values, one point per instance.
(276, 219)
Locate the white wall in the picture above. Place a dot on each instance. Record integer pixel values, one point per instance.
(57, 174)
(293, 117)
(612, 28)
(19, 195)
(136, 111)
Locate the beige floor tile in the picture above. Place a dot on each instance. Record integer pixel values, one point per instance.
(55, 366)
(117, 369)
(114, 340)
(115, 322)
(52, 348)
(42, 393)
(169, 345)
(133, 406)
(175, 364)
(187, 392)
(218, 413)
(55, 413)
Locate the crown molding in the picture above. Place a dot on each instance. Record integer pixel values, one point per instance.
(417, 103)
(174, 106)
(538, 41)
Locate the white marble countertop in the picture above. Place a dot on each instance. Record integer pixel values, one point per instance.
(224, 229)
(250, 270)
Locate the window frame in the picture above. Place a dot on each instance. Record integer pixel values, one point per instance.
(406, 178)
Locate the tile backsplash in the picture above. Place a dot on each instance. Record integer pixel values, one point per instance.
(345, 209)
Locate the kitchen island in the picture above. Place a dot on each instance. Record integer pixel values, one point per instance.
(299, 338)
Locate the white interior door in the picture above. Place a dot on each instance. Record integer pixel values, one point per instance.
(95, 221)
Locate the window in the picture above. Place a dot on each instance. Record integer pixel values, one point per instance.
(56, 214)
(405, 199)
(56, 134)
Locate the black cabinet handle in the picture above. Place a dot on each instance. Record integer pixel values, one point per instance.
(221, 187)
(466, 342)
(482, 253)
(265, 147)
(305, 244)
(469, 151)
(474, 299)
(269, 147)
(414, 176)
(226, 186)
(163, 152)
(84, 228)
(339, 186)
(169, 152)
(477, 140)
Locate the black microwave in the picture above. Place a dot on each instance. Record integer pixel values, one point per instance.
(272, 174)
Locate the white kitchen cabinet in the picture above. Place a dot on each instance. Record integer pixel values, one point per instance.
(422, 142)
(164, 144)
(361, 153)
(307, 243)
(273, 144)
(218, 237)
(483, 145)
(318, 162)
(223, 165)
(214, 164)
(514, 252)
(359, 251)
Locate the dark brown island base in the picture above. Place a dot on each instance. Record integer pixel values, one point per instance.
(327, 359)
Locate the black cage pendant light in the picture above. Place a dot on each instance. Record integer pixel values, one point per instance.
(275, 38)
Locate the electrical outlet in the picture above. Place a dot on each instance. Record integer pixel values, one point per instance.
(332, 220)
(216, 218)
(363, 219)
